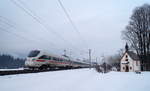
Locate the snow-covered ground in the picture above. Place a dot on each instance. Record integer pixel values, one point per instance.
(11, 69)
(76, 80)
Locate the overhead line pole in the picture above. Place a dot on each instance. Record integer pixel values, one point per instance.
(90, 58)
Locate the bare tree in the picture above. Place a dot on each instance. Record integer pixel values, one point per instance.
(114, 60)
(137, 34)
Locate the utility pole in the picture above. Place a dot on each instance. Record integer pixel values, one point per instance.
(65, 54)
(70, 54)
(90, 58)
(96, 61)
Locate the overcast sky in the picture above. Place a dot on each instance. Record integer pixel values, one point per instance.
(99, 22)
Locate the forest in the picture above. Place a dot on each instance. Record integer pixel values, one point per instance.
(9, 62)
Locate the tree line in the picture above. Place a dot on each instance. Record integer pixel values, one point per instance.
(9, 62)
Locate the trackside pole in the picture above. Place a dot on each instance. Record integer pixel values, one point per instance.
(90, 58)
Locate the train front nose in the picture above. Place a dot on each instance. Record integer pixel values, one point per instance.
(28, 62)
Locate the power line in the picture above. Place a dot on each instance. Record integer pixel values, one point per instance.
(71, 21)
(17, 35)
(36, 18)
(16, 29)
(6, 21)
(22, 37)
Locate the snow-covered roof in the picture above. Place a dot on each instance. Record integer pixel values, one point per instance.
(133, 55)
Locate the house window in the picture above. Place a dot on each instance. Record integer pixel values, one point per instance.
(126, 56)
(123, 68)
(130, 68)
(126, 59)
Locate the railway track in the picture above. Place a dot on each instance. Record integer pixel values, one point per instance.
(26, 71)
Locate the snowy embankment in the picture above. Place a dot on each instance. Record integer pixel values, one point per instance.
(11, 69)
(76, 80)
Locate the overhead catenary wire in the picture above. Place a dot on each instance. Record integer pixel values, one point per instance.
(12, 26)
(6, 21)
(18, 35)
(40, 19)
(37, 19)
(72, 23)
(15, 34)
(22, 37)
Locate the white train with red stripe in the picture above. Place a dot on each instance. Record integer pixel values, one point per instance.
(42, 60)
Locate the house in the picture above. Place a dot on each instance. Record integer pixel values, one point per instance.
(130, 62)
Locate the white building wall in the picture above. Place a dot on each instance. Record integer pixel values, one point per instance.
(131, 64)
(137, 66)
(122, 63)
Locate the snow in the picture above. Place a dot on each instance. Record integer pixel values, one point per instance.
(11, 69)
(76, 80)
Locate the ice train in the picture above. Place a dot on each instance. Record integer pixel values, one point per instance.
(41, 60)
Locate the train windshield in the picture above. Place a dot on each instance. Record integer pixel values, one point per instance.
(33, 53)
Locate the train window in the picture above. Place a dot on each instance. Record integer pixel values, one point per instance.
(54, 58)
(50, 58)
(65, 59)
(33, 53)
(59, 59)
(44, 57)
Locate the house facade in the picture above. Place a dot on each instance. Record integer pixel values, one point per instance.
(130, 61)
